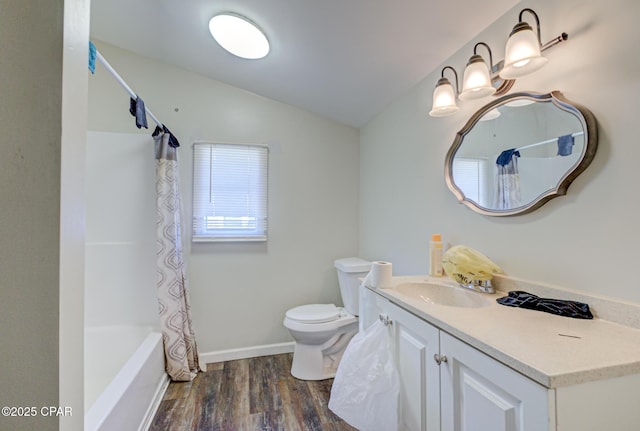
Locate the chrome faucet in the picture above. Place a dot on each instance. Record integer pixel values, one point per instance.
(482, 286)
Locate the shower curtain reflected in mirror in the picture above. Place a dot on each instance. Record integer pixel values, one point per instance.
(507, 190)
(180, 346)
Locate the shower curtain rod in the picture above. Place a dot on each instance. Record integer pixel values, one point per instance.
(118, 78)
(548, 141)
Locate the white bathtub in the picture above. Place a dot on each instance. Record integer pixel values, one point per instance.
(124, 377)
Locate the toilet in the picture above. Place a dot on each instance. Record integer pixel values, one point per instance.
(322, 331)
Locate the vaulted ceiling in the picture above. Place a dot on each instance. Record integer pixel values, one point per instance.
(343, 59)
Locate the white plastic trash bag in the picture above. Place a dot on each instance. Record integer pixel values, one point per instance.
(367, 385)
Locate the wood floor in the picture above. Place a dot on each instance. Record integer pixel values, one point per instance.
(248, 395)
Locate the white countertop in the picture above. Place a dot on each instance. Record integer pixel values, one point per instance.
(553, 350)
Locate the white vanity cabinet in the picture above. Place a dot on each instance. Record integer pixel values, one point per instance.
(448, 385)
(415, 343)
(479, 393)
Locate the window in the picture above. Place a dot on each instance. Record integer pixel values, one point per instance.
(229, 192)
(471, 176)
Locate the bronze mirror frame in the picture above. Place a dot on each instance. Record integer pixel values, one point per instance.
(589, 127)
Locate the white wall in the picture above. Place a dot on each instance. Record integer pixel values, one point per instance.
(240, 292)
(30, 169)
(120, 286)
(586, 240)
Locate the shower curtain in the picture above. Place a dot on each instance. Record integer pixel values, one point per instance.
(507, 190)
(180, 347)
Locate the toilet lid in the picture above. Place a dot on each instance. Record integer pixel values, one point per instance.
(314, 313)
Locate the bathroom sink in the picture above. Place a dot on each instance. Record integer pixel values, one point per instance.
(439, 294)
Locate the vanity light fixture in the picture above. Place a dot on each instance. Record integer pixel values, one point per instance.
(523, 56)
(239, 35)
(476, 82)
(444, 96)
(523, 53)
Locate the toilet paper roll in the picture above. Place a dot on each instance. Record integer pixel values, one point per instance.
(379, 275)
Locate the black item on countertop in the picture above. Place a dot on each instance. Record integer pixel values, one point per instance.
(560, 307)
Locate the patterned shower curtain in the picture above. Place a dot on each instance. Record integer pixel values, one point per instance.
(507, 190)
(181, 351)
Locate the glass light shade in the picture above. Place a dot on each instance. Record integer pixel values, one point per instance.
(491, 115)
(522, 53)
(239, 36)
(444, 99)
(519, 102)
(476, 82)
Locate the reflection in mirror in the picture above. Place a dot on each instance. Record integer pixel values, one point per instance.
(519, 151)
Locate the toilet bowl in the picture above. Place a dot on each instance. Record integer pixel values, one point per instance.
(322, 331)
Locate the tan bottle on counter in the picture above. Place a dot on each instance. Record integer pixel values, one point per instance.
(435, 255)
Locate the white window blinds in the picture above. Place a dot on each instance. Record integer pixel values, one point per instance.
(470, 175)
(229, 192)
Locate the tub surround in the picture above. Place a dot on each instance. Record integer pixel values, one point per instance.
(124, 377)
(552, 350)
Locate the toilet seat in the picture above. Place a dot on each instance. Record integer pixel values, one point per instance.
(314, 313)
(333, 319)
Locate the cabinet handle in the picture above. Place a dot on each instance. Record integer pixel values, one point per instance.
(385, 319)
(439, 358)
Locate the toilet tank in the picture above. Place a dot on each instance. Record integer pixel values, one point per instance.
(349, 270)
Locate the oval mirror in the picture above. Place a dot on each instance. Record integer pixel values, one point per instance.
(519, 151)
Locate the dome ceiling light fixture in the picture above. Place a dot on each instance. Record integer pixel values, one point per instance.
(239, 35)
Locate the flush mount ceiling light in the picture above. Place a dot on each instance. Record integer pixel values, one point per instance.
(523, 56)
(491, 115)
(516, 103)
(238, 35)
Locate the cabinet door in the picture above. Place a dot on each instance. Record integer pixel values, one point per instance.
(415, 343)
(481, 394)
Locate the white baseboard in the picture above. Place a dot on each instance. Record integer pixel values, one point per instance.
(246, 352)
